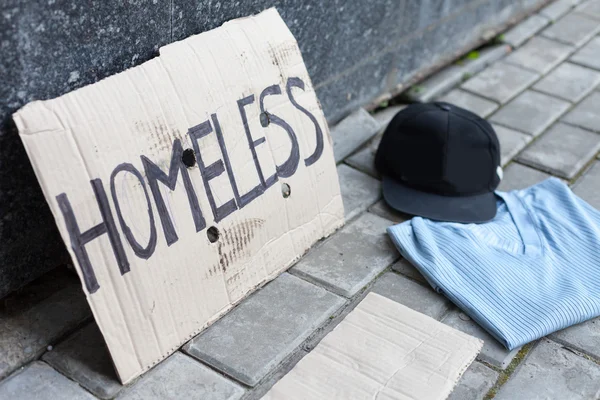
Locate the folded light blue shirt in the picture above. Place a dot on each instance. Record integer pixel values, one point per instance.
(534, 269)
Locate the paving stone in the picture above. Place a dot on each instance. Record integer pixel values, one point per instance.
(258, 392)
(558, 8)
(385, 116)
(255, 337)
(573, 28)
(364, 159)
(383, 210)
(500, 82)
(471, 102)
(518, 34)
(552, 372)
(517, 176)
(475, 383)
(588, 186)
(511, 142)
(531, 112)
(487, 56)
(590, 8)
(404, 267)
(588, 55)
(37, 316)
(436, 84)
(351, 258)
(181, 377)
(540, 54)
(84, 358)
(412, 294)
(584, 337)
(562, 151)
(586, 114)
(352, 132)
(452, 75)
(359, 190)
(493, 352)
(40, 382)
(569, 81)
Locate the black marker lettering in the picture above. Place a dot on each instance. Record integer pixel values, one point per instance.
(289, 167)
(142, 252)
(247, 197)
(155, 174)
(270, 181)
(297, 82)
(79, 239)
(210, 172)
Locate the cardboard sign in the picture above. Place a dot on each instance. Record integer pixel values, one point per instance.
(381, 350)
(183, 184)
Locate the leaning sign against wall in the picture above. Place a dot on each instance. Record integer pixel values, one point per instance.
(185, 183)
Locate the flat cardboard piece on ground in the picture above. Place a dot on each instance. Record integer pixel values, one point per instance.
(238, 105)
(381, 350)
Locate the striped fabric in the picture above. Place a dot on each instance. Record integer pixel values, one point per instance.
(532, 270)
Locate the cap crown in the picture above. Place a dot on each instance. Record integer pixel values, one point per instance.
(442, 149)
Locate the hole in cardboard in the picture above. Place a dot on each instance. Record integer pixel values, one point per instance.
(213, 234)
(264, 119)
(188, 158)
(286, 190)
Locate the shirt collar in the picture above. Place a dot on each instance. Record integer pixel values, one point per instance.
(523, 220)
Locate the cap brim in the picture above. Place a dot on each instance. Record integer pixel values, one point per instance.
(471, 209)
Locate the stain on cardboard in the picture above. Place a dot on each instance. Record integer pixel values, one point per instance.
(233, 242)
(280, 56)
(161, 136)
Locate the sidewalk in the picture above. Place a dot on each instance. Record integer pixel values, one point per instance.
(544, 103)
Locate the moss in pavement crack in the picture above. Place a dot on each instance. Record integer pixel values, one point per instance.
(506, 374)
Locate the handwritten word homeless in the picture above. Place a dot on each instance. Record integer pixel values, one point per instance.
(155, 176)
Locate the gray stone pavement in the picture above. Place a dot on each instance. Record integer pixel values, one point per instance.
(552, 371)
(542, 98)
(540, 54)
(250, 341)
(39, 381)
(84, 358)
(526, 29)
(181, 377)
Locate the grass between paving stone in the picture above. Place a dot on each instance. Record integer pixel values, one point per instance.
(577, 352)
(417, 89)
(498, 39)
(388, 102)
(472, 55)
(506, 373)
(586, 356)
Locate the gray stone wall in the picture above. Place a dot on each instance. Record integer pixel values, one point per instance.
(355, 50)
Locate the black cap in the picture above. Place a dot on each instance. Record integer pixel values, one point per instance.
(441, 162)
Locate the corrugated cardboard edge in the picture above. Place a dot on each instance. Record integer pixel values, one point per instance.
(22, 127)
(467, 366)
